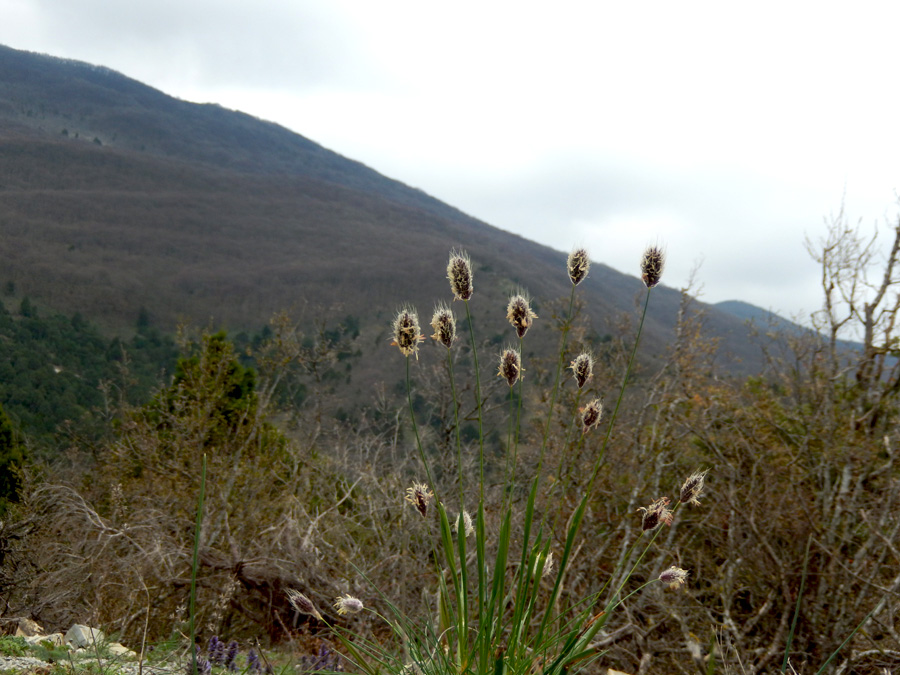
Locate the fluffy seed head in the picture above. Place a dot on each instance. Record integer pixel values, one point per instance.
(406, 332)
(583, 367)
(444, 324)
(347, 604)
(519, 314)
(578, 265)
(419, 496)
(655, 514)
(510, 365)
(692, 488)
(468, 527)
(674, 576)
(459, 272)
(652, 263)
(590, 415)
(302, 604)
(548, 565)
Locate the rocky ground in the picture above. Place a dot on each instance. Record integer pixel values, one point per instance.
(29, 664)
(78, 647)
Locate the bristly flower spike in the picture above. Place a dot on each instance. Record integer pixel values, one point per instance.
(347, 604)
(656, 514)
(578, 266)
(590, 415)
(692, 488)
(444, 324)
(519, 314)
(674, 577)
(419, 496)
(406, 332)
(583, 368)
(510, 366)
(459, 272)
(652, 263)
(302, 604)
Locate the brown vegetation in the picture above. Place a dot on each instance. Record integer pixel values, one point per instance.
(799, 517)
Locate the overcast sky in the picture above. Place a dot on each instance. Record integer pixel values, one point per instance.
(726, 132)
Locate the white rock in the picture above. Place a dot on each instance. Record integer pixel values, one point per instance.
(55, 639)
(82, 636)
(120, 650)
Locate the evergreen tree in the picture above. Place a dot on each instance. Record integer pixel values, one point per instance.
(11, 461)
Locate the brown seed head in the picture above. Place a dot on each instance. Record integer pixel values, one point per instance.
(652, 264)
(578, 265)
(347, 604)
(302, 604)
(692, 488)
(406, 332)
(419, 496)
(583, 367)
(444, 324)
(655, 514)
(459, 272)
(510, 365)
(519, 314)
(590, 415)
(674, 576)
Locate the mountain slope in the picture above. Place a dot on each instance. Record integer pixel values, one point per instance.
(115, 196)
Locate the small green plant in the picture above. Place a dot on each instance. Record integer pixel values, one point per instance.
(45, 650)
(13, 646)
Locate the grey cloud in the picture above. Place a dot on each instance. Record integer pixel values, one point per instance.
(289, 45)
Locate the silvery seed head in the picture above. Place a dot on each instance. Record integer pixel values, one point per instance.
(652, 263)
(302, 604)
(674, 576)
(656, 514)
(578, 265)
(468, 527)
(406, 332)
(583, 368)
(347, 604)
(692, 488)
(590, 415)
(459, 272)
(510, 366)
(444, 324)
(419, 496)
(519, 314)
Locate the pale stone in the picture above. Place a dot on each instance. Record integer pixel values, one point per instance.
(55, 639)
(120, 650)
(82, 636)
(28, 627)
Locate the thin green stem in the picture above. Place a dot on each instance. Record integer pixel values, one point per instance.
(790, 638)
(511, 483)
(612, 420)
(412, 417)
(195, 566)
(477, 399)
(462, 502)
(567, 326)
(561, 486)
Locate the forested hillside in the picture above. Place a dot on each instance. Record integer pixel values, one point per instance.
(257, 391)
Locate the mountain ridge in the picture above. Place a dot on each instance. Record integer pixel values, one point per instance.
(119, 197)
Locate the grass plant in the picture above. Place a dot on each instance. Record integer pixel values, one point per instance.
(500, 605)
